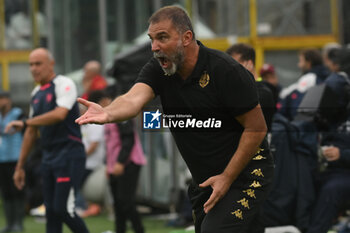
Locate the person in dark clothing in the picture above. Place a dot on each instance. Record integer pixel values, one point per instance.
(13, 200)
(295, 142)
(245, 55)
(230, 163)
(53, 110)
(338, 81)
(314, 73)
(269, 78)
(333, 184)
(124, 157)
(326, 53)
(294, 148)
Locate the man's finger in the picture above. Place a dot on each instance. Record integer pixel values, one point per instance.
(210, 203)
(19, 184)
(87, 120)
(7, 128)
(79, 120)
(205, 184)
(82, 119)
(83, 101)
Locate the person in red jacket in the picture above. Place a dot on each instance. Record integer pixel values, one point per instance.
(92, 80)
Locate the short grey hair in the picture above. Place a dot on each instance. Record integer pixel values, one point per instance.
(177, 15)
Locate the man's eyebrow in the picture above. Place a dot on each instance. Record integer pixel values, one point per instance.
(35, 62)
(161, 33)
(158, 34)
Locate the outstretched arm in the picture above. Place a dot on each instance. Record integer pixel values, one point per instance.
(122, 108)
(49, 118)
(253, 134)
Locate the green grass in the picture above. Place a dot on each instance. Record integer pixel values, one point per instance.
(97, 224)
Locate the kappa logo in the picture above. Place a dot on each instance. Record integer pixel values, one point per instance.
(151, 120)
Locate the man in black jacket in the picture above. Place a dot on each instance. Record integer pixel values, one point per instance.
(333, 184)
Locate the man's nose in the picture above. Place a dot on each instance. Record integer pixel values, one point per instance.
(155, 46)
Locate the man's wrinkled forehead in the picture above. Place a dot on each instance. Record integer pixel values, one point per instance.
(161, 27)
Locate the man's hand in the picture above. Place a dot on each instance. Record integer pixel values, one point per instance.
(220, 185)
(331, 153)
(19, 178)
(118, 169)
(14, 126)
(95, 113)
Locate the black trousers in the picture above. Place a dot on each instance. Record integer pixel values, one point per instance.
(59, 187)
(7, 186)
(12, 198)
(123, 190)
(239, 211)
(332, 196)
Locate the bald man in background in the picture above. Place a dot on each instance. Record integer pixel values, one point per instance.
(53, 109)
(92, 79)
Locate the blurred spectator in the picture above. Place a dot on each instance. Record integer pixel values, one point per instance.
(268, 74)
(294, 192)
(314, 72)
(325, 54)
(334, 59)
(13, 200)
(92, 80)
(295, 151)
(245, 55)
(345, 64)
(270, 79)
(125, 158)
(93, 139)
(337, 80)
(333, 184)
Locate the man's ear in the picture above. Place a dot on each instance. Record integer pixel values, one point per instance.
(308, 64)
(336, 67)
(187, 38)
(251, 63)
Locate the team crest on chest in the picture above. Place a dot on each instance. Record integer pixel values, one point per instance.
(48, 97)
(204, 80)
